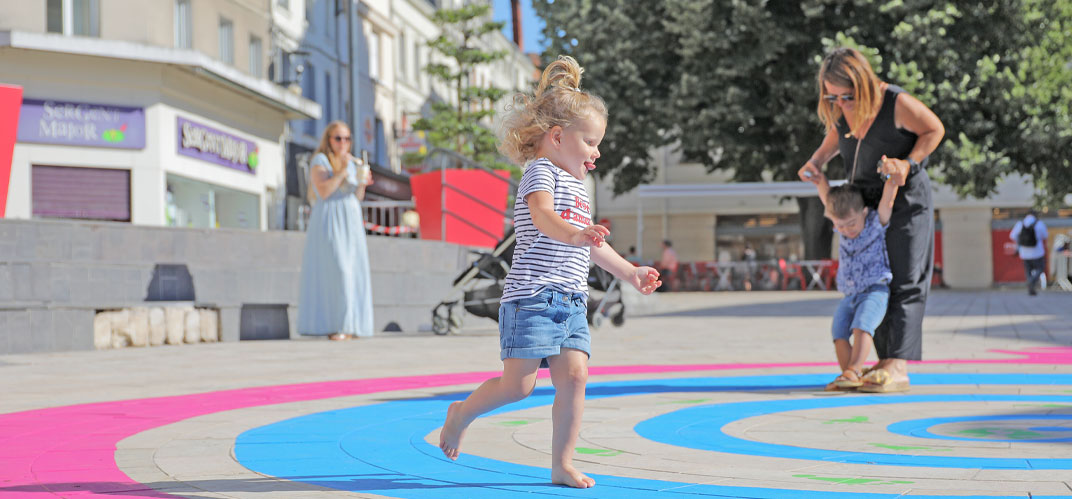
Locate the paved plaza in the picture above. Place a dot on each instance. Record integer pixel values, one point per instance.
(696, 395)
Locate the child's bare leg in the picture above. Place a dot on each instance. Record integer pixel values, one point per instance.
(843, 350)
(517, 381)
(569, 373)
(862, 344)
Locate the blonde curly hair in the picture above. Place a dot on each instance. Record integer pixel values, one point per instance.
(557, 101)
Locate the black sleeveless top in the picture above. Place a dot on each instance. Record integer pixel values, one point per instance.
(883, 138)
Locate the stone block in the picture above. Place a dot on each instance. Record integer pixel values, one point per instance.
(18, 325)
(192, 326)
(102, 330)
(122, 330)
(230, 323)
(157, 326)
(139, 327)
(73, 329)
(210, 325)
(26, 242)
(175, 325)
(7, 282)
(42, 332)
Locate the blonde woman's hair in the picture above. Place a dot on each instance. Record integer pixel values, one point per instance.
(336, 163)
(325, 144)
(847, 67)
(557, 101)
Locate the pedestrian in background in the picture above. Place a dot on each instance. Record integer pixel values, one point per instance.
(882, 132)
(1030, 235)
(335, 299)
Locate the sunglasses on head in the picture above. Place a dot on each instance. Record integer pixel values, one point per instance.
(834, 98)
(341, 138)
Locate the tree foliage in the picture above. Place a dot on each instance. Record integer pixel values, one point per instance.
(460, 127)
(732, 82)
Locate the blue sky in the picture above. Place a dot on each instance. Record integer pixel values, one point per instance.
(531, 24)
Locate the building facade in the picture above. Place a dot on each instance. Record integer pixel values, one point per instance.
(167, 121)
(720, 219)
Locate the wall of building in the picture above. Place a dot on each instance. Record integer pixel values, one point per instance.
(55, 275)
(966, 247)
(154, 26)
(165, 93)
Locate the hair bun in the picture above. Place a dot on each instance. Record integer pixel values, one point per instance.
(564, 73)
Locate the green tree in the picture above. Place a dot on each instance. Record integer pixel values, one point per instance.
(732, 82)
(460, 127)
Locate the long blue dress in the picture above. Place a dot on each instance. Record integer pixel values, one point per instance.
(336, 289)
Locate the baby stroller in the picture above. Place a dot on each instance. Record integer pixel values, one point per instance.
(479, 288)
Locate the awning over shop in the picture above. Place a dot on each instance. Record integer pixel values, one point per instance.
(293, 106)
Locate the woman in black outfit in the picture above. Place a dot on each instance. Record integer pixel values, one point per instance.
(880, 130)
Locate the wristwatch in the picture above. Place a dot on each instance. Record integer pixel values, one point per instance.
(913, 167)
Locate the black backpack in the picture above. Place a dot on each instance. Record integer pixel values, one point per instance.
(1027, 236)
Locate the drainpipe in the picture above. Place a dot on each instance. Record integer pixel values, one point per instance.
(515, 8)
(350, 66)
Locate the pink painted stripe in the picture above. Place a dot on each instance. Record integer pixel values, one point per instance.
(70, 451)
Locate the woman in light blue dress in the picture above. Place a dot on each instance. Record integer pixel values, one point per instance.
(335, 299)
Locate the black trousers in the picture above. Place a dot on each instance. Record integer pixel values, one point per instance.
(1033, 269)
(910, 245)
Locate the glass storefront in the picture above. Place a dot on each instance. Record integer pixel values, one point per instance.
(191, 203)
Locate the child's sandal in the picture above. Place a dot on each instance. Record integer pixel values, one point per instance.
(843, 382)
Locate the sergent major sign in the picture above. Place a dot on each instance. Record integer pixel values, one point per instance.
(209, 144)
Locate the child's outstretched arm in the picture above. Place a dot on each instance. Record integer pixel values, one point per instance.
(644, 279)
(542, 209)
(885, 205)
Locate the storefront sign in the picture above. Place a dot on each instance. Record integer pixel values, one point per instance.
(81, 124)
(208, 144)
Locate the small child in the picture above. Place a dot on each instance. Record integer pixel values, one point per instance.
(863, 272)
(543, 313)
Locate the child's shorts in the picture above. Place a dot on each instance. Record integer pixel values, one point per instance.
(864, 311)
(542, 325)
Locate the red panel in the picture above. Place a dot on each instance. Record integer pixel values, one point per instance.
(10, 104)
(937, 280)
(1007, 264)
(429, 192)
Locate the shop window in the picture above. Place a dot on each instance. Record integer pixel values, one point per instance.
(374, 55)
(309, 91)
(184, 33)
(80, 193)
(255, 57)
(402, 68)
(226, 40)
(73, 17)
(192, 203)
(329, 105)
(329, 17)
(381, 145)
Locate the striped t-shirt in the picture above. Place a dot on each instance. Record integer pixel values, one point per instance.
(539, 261)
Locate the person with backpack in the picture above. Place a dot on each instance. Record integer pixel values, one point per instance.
(1030, 236)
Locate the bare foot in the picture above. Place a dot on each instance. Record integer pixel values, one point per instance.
(569, 476)
(450, 437)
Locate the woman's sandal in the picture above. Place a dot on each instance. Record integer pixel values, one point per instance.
(880, 381)
(338, 336)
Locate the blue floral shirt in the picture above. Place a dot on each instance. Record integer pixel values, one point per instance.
(863, 260)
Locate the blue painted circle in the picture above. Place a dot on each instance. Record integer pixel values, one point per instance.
(921, 428)
(701, 428)
(380, 448)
